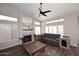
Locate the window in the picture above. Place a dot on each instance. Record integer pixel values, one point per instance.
(54, 29)
(37, 30)
(60, 29)
(46, 29)
(8, 32)
(7, 18)
(37, 27)
(50, 29)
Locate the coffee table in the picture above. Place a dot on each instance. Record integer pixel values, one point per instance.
(34, 47)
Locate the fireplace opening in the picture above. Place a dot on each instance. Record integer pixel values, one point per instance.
(27, 38)
(64, 43)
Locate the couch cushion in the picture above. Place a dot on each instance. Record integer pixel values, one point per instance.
(51, 36)
(55, 35)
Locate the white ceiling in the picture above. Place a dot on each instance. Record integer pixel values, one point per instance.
(58, 9)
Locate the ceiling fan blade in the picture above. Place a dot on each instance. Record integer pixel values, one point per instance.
(47, 11)
(41, 12)
(44, 14)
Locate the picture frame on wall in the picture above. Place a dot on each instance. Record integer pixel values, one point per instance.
(27, 23)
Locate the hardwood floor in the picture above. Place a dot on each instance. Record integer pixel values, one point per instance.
(50, 50)
(14, 51)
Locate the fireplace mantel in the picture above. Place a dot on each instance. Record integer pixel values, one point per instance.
(26, 33)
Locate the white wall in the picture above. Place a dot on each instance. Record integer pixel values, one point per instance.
(78, 28)
(70, 28)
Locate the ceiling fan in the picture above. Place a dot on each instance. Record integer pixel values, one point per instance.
(43, 12)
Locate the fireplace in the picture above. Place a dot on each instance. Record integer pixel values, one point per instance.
(65, 42)
(26, 38)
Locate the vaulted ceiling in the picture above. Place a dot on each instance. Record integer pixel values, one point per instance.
(57, 9)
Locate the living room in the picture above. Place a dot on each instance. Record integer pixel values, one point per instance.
(23, 25)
